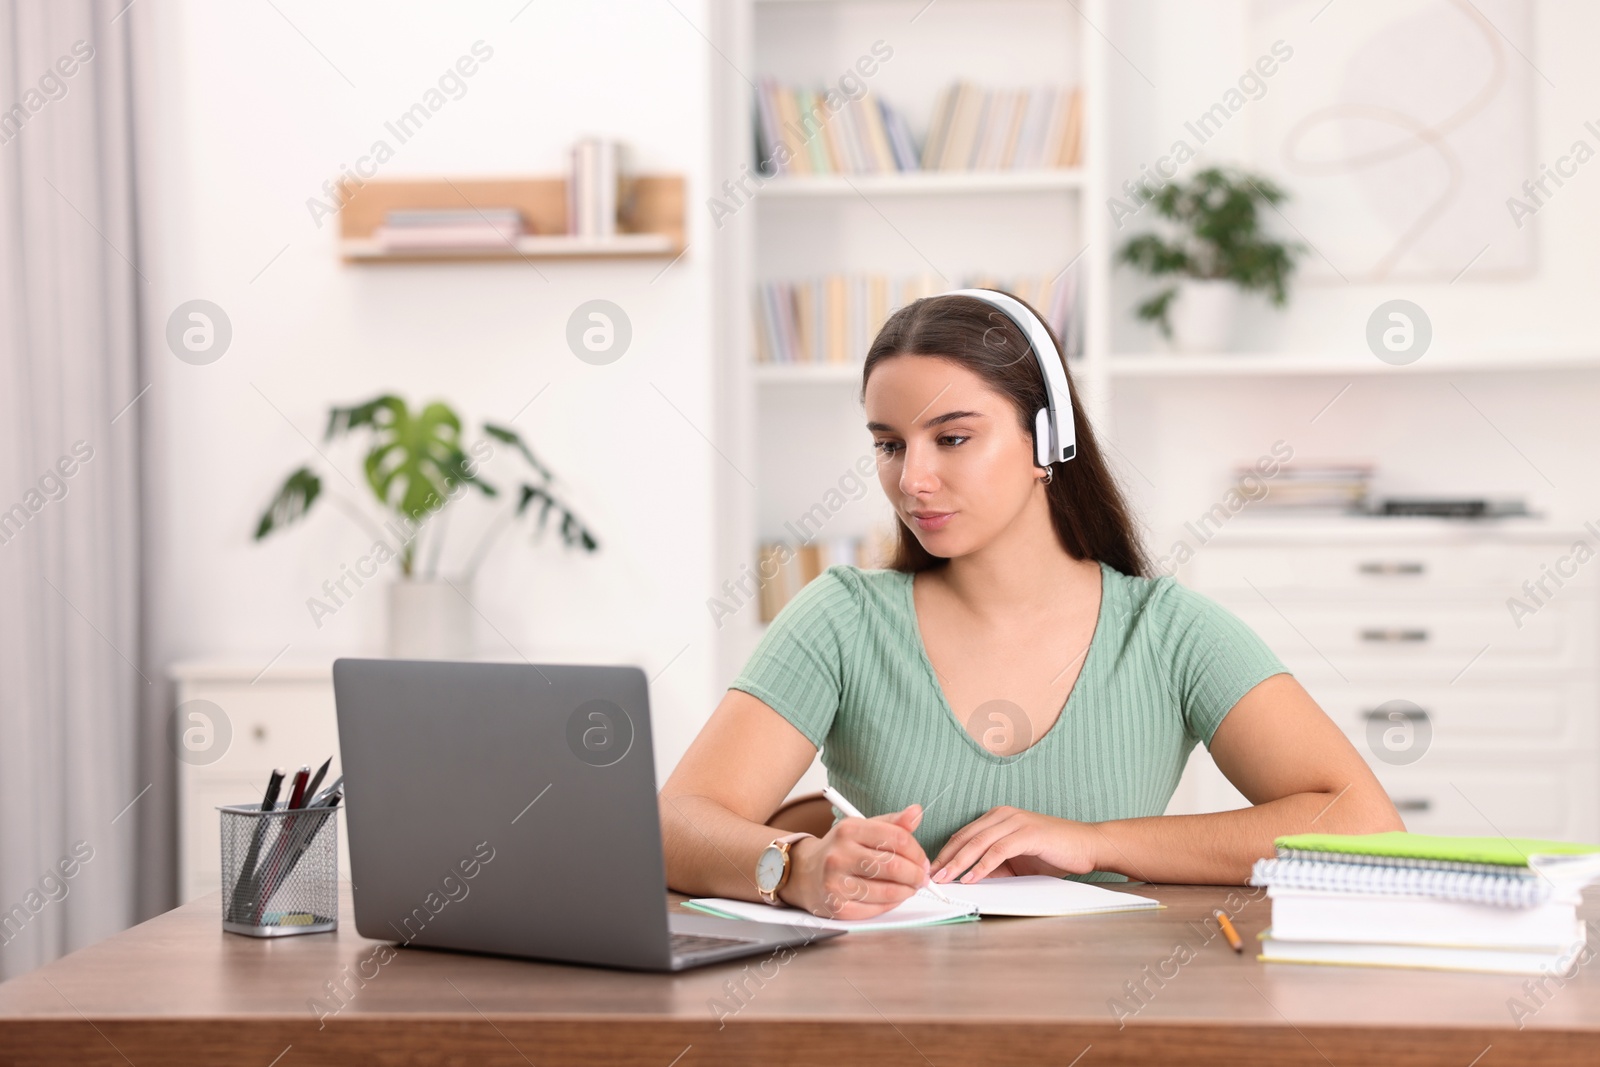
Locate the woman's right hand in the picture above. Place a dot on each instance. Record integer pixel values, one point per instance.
(861, 868)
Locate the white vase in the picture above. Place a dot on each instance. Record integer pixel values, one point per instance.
(430, 619)
(1203, 315)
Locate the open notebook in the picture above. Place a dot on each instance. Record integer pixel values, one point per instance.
(1034, 894)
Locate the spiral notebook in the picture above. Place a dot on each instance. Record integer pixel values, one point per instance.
(1400, 848)
(1507, 872)
(1026, 895)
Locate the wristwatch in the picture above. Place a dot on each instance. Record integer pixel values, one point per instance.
(772, 867)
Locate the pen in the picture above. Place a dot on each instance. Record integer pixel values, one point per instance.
(241, 888)
(1228, 931)
(267, 876)
(838, 801)
(298, 792)
(274, 785)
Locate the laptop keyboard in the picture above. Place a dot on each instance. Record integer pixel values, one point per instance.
(683, 944)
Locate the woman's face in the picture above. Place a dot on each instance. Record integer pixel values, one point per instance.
(951, 457)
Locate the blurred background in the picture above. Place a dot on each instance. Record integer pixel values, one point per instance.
(532, 331)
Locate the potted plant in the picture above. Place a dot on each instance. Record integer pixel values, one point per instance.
(417, 466)
(1215, 248)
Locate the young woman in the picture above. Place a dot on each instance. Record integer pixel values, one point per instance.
(1015, 694)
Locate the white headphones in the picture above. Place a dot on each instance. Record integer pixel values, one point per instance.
(1055, 439)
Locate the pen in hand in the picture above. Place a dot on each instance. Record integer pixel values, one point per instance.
(838, 801)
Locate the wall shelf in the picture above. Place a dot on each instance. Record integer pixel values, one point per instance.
(813, 373)
(828, 373)
(650, 218)
(533, 246)
(1288, 364)
(923, 183)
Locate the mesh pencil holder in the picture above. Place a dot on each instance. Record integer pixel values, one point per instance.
(280, 870)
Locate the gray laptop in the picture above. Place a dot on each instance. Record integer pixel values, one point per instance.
(511, 809)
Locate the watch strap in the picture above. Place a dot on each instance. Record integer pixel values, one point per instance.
(785, 839)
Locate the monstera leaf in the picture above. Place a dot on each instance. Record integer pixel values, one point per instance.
(573, 532)
(416, 460)
(299, 491)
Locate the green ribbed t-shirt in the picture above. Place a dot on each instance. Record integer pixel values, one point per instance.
(845, 663)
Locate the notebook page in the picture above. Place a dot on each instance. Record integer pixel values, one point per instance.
(1040, 894)
(1027, 895)
(920, 909)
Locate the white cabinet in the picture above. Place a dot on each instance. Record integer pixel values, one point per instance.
(242, 722)
(1478, 715)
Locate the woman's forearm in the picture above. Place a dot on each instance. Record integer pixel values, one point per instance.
(1219, 848)
(710, 851)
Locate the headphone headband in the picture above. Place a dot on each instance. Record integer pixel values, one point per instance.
(1055, 437)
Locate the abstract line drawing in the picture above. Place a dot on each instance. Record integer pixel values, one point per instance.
(1409, 123)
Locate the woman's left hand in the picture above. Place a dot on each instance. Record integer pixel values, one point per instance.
(1007, 841)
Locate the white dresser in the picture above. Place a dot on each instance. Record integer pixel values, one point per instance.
(1476, 720)
(282, 717)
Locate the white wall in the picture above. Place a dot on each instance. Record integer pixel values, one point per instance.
(1518, 433)
(248, 116)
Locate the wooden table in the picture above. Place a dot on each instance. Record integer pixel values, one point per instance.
(177, 990)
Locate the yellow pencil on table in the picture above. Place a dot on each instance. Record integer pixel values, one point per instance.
(1228, 931)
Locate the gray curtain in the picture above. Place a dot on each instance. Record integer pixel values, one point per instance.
(72, 680)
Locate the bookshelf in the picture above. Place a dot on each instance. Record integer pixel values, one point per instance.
(796, 428)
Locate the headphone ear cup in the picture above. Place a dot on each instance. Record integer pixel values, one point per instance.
(1041, 437)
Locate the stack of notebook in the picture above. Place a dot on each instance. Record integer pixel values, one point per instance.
(1330, 486)
(1496, 904)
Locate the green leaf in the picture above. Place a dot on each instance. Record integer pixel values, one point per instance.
(573, 531)
(298, 492)
(416, 459)
(1214, 230)
(511, 437)
(1157, 308)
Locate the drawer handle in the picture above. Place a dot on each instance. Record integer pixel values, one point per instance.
(1413, 714)
(1411, 803)
(1390, 636)
(1386, 567)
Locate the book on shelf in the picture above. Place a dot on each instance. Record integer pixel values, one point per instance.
(472, 228)
(783, 569)
(1398, 899)
(1315, 486)
(834, 318)
(592, 187)
(973, 128)
(1005, 129)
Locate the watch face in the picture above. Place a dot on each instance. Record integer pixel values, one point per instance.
(769, 868)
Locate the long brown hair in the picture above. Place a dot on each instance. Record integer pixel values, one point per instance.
(1087, 509)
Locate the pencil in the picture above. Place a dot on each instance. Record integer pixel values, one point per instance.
(1228, 931)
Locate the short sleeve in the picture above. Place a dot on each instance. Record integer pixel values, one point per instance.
(798, 667)
(1215, 658)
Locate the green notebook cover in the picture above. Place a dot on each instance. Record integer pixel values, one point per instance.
(1504, 851)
